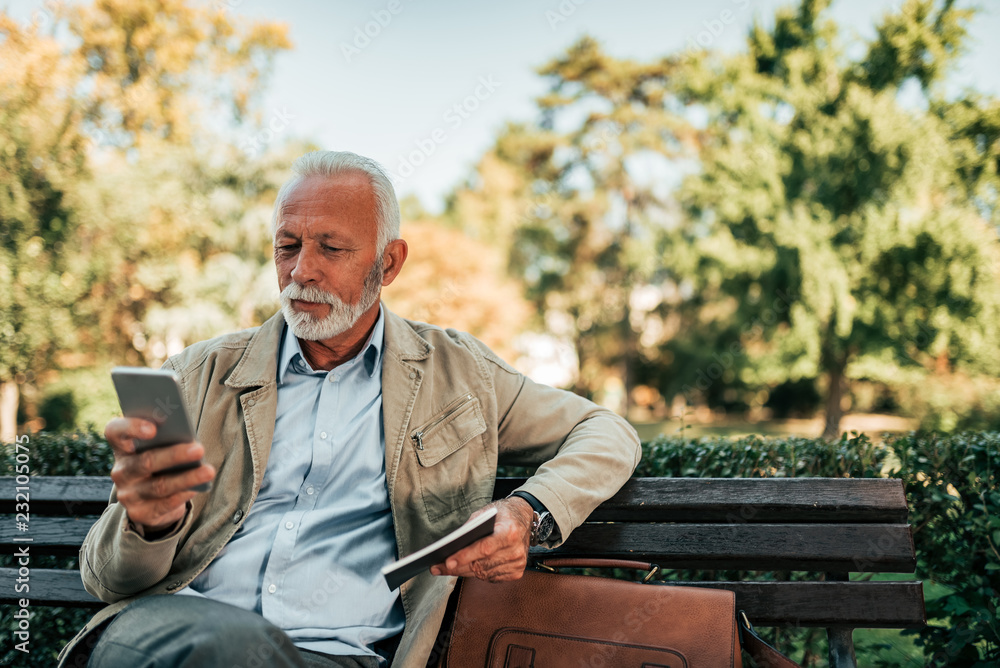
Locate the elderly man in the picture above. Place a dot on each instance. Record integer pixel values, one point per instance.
(338, 437)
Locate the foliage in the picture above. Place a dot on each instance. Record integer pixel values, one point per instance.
(758, 457)
(715, 226)
(951, 402)
(454, 281)
(120, 207)
(816, 181)
(41, 163)
(580, 226)
(63, 453)
(953, 489)
(156, 69)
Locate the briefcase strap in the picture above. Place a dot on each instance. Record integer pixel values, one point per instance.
(763, 654)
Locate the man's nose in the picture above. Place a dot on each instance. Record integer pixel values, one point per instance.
(307, 267)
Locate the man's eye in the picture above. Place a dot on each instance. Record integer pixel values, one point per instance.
(287, 248)
(331, 249)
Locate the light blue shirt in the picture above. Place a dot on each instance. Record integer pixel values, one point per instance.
(309, 554)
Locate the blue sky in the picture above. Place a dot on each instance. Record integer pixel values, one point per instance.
(397, 92)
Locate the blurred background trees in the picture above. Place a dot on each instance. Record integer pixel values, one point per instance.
(809, 224)
(748, 231)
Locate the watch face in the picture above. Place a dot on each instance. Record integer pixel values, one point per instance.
(546, 523)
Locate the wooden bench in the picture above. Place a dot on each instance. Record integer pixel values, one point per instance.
(827, 528)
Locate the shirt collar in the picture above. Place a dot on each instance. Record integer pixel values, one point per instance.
(291, 359)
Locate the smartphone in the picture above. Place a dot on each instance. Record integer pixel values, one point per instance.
(155, 395)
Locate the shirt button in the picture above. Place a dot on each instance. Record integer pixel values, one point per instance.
(413, 374)
(271, 589)
(237, 516)
(289, 525)
(310, 490)
(251, 402)
(322, 435)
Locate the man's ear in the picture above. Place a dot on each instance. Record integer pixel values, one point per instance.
(393, 258)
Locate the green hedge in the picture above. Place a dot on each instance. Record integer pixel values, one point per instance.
(951, 486)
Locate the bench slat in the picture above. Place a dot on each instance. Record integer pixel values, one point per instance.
(879, 500)
(61, 495)
(804, 547)
(801, 547)
(853, 604)
(49, 535)
(862, 604)
(47, 587)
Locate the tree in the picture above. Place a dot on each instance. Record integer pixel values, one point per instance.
(828, 230)
(569, 200)
(458, 282)
(112, 160)
(156, 69)
(872, 216)
(41, 160)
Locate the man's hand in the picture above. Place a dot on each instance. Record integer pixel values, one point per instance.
(153, 502)
(500, 557)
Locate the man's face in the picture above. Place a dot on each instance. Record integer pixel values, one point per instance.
(325, 254)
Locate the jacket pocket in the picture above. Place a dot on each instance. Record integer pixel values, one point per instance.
(446, 465)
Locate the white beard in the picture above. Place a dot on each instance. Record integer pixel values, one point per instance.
(342, 316)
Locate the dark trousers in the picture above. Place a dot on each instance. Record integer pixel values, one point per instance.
(193, 632)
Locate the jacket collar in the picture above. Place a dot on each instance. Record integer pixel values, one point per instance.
(401, 341)
(258, 366)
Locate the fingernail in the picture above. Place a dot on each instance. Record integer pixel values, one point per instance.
(451, 563)
(194, 448)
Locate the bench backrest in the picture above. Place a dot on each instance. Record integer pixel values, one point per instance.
(827, 527)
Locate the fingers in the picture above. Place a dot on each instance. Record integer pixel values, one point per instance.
(156, 500)
(122, 432)
(152, 498)
(502, 566)
(148, 463)
(500, 557)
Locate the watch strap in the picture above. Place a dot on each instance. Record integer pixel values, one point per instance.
(535, 504)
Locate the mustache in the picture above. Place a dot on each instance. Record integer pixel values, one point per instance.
(308, 293)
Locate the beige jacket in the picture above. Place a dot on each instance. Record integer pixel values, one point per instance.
(475, 411)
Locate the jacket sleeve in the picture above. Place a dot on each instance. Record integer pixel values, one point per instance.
(584, 452)
(117, 562)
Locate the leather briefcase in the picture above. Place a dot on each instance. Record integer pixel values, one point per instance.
(552, 620)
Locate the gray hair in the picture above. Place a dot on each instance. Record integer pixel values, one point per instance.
(334, 163)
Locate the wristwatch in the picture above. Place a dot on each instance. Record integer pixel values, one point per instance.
(542, 524)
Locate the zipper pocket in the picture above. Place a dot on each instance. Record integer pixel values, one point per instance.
(418, 436)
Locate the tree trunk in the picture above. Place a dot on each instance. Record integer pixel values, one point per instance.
(834, 395)
(8, 411)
